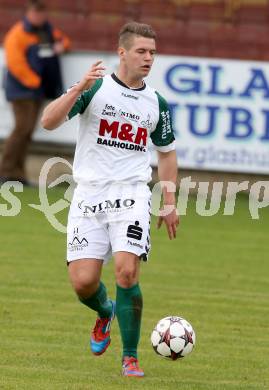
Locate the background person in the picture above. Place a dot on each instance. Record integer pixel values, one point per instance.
(32, 48)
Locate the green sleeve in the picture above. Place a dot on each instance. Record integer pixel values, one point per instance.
(84, 99)
(163, 134)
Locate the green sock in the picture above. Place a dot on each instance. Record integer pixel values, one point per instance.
(129, 305)
(99, 302)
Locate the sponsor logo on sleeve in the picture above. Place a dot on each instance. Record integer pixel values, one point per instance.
(166, 124)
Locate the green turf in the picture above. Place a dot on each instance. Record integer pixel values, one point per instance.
(216, 274)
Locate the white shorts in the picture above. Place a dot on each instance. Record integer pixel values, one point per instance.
(105, 220)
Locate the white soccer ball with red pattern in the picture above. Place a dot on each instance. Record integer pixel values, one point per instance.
(173, 337)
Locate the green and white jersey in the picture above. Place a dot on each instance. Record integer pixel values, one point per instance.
(115, 127)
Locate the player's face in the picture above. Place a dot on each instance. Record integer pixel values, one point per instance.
(140, 56)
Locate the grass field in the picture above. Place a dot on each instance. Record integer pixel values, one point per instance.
(216, 274)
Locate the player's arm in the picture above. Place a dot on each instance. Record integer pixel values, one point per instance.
(57, 111)
(164, 142)
(167, 171)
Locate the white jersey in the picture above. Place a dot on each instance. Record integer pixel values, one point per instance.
(115, 127)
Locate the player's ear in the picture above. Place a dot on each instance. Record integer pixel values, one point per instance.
(121, 52)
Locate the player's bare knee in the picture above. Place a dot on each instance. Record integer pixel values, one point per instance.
(84, 289)
(126, 277)
(83, 284)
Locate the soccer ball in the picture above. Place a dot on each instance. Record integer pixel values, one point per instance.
(173, 337)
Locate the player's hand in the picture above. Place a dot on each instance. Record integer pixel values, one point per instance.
(94, 73)
(171, 220)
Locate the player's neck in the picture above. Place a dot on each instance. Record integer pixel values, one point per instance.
(128, 80)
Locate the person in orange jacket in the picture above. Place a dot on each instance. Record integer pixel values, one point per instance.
(32, 48)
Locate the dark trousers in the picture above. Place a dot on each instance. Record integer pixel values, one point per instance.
(15, 147)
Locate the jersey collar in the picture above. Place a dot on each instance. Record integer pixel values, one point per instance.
(115, 78)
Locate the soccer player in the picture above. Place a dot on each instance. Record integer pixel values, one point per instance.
(110, 210)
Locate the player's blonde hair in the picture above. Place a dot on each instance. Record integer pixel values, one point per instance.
(132, 29)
